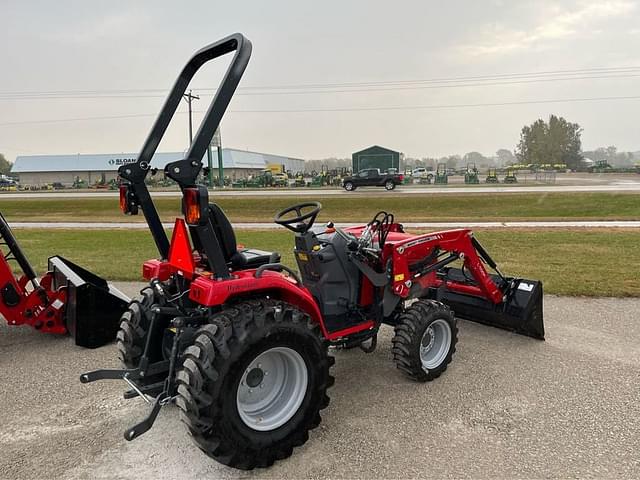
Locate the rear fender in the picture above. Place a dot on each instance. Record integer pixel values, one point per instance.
(209, 292)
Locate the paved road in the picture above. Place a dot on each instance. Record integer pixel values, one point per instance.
(620, 187)
(507, 407)
(410, 225)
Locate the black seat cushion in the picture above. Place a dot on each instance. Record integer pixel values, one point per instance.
(245, 258)
(253, 258)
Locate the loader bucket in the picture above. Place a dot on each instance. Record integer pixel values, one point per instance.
(93, 306)
(521, 313)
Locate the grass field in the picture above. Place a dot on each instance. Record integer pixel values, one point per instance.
(569, 262)
(419, 207)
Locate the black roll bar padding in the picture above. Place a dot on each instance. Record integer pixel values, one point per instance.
(7, 235)
(136, 172)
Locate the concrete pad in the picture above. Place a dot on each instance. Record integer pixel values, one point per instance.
(508, 406)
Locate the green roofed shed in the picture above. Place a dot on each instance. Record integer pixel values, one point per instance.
(376, 157)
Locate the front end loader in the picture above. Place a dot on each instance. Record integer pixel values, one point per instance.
(240, 341)
(66, 300)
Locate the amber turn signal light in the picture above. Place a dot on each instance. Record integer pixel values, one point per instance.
(195, 203)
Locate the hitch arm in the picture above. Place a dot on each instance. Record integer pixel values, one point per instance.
(146, 424)
(129, 373)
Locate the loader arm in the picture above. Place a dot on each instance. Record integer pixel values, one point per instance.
(418, 259)
(185, 171)
(420, 269)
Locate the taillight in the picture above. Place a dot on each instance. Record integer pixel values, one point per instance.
(128, 203)
(194, 205)
(402, 178)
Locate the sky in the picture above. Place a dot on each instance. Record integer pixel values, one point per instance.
(427, 78)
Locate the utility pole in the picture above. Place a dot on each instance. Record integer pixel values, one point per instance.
(189, 98)
(217, 142)
(210, 167)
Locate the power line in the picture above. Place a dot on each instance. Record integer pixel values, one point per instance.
(80, 119)
(551, 73)
(446, 82)
(422, 87)
(348, 109)
(438, 107)
(314, 92)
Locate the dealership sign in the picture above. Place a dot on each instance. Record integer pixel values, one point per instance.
(121, 161)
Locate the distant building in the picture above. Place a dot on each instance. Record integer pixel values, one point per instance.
(46, 169)
(376, 157)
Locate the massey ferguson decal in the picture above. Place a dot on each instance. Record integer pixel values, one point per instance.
(423, 240)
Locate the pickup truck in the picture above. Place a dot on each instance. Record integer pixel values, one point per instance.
(371, 177)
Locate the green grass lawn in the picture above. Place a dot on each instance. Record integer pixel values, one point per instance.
(569, 262)
(419, 207)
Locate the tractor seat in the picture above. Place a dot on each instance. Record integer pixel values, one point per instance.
(239, 259)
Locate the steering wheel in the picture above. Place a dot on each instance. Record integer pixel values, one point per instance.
(302, 222)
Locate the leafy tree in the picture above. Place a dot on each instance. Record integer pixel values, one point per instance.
(330, 163)
(5, 165)
(556, 141)
(611, 155)
(475, 157)
(451, 161)
(505, 157)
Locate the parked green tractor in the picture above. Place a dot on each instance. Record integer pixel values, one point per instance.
(299, 180)
(441, 174)
(492, 176)
(471, 175)
(320, 179)
(511, 176)
(267, 178)
(80, 183)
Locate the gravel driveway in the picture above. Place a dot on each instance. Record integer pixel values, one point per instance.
(508, 406)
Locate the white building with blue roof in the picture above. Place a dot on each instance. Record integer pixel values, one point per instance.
(40, 170)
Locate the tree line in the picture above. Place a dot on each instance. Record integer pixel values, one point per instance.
(552, 142)
(5, 165)
(555, 141)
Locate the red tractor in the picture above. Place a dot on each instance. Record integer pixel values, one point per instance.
(240, 342)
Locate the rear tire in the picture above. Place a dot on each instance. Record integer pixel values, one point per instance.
(235, 353)
(134, 327)
(425, 340)
(389, 185)
(349, 186)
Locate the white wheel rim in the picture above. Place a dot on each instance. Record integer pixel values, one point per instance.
(435, 344)
(272, 389)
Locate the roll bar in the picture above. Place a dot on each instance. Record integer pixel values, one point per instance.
(185, 171)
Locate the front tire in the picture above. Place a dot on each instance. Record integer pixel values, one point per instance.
(253, 383)
(425, 340)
